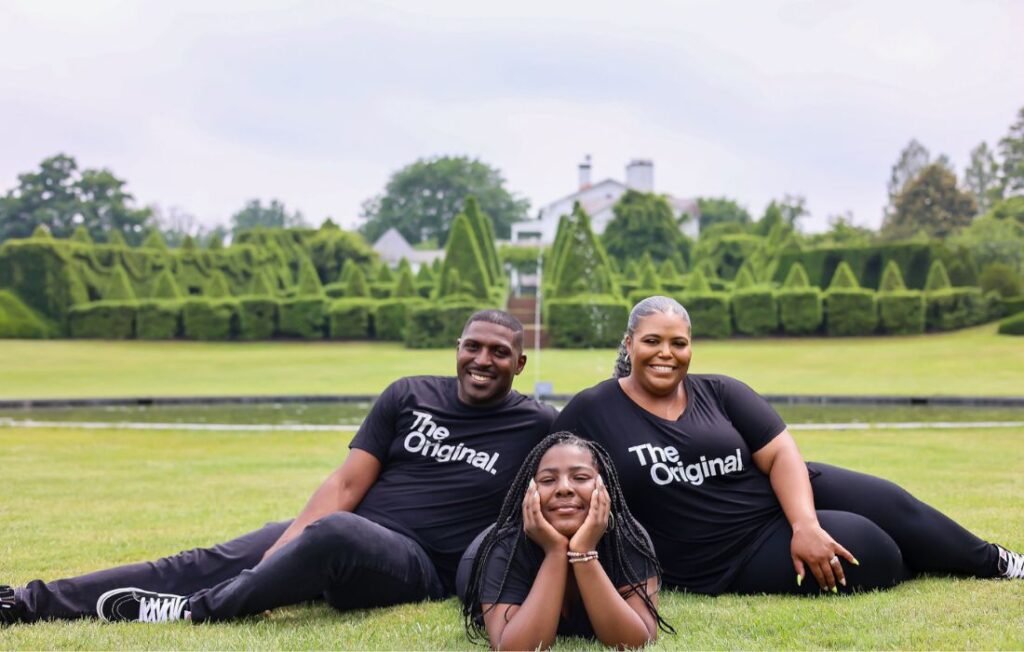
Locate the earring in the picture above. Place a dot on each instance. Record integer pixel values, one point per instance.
(611, 522)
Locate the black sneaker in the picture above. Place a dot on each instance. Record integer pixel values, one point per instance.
(1011, 564)
(8, 606)
(135, 605)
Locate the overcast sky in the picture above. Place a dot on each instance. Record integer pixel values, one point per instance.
(204, 105)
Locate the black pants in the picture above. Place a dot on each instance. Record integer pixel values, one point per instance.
(893, 535)
(344, 559)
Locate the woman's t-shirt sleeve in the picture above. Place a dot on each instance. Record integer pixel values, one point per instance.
(752, 416)
(518, 581)
(571, 416)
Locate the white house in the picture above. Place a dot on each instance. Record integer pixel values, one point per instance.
(598, 199)
(392, 247)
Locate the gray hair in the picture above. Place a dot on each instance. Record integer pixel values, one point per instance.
(645, 308)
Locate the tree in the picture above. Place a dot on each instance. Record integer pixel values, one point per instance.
(1011, 148)
(463, 255)
(272, 216)
(720, 210)
(422, 199)
(981, 178)
(931, 204)
(643, 222)
(581, 266)
(483, 230)
(61, 197)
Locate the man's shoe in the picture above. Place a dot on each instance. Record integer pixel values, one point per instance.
(135, 605)
(1011, 564)
(8, 606)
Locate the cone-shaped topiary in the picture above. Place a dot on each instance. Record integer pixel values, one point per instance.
(698, 283)
(707, 268)
(356, 284)
(261, 286)
(405, 286)
(463, 253)
(425, 274)
(41, 232)
(581, 260)
(404, 265)
(217, 287)
(649, 279)
(215, 242)
(188, 244)
(451, 283)
(154, 240)
(384, 274)
(119, 288)
(115, 237)
(667, 270)
(165, 287)
(308, 282)
(483, 231)
(796, 278)
(892, 279)
(744, 279)
(844, 278)
(633, 270)
(81, 234)
(938, 278)
(435, 266)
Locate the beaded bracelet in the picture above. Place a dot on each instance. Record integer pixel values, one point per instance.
(581, 557)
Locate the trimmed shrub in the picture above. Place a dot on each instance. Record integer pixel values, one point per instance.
(217, 288)
(1011, 306)
(154, 240)
(257, 317)
(796, 278)
(390, 321)
(697, 283)
(104, 320)
(744, 279)
(356, 285)
(438, 325)
(81, 234)
(118, 288)
(165, 287)
(116, 238)
(209, 319)
(379, 290)
(954, 308)
(462, 254)
(351, 319)
(844, 278)
(158, 320)
(800, 309)
(18, 320)
(938, 279)
(850, 311)
(302, 317)
(1012, 325)
(308, 282)
(1001, 278)
(901, 312)
(587, 321)
(41, 232)
(405, 285)
(335, 290)
(754, 310)
(892, 278)
(634, 297)
(709, 313)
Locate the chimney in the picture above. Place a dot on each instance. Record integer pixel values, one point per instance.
(640, 175)
(585, 173)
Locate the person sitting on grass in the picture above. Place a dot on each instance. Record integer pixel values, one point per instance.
(564, 558)
(711, 471)
(425, 472)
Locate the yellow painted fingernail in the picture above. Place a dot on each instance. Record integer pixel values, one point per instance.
(835, 590)
(799, 580)
(843, 581)
(855, 562)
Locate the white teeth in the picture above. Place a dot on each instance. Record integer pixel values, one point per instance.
(479, 378)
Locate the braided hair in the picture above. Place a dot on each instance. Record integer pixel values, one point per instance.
(646, 307)
(626, 534)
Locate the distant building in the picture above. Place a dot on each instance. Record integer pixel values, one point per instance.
(392, 247)
(598, 199)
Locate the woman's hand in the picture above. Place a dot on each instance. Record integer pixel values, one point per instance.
(596, 523)
(537, 527)
(813, 546)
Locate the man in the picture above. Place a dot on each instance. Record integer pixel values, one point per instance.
(426, 472)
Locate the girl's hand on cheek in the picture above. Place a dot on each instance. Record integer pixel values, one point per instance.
(537, 527)
(596, 523)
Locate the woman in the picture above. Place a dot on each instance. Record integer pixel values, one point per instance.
(583, 568)
(711, 472)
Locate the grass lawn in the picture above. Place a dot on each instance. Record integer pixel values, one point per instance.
(974, 361)
(76, 501)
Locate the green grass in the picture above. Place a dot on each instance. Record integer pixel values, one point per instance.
(76, 501)
(975, 362)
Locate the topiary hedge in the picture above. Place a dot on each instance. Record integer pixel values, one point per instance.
(1011, 305)
(351, 319)
(438, 325)
(18, 320)
(755, 311)
(105, 320)
(800, 310)
(392, 316)
(709, 314)
(158, 319)
(209, 319)
(587, 321)
(850, 311)
(1012, 325)
(257, 317)
(303, 317)
(953, 308)
(901, 312)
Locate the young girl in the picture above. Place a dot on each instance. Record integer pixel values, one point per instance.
(584, 567)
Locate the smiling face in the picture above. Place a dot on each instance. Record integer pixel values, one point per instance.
(486, 361)
(566, 477)
(659, 350)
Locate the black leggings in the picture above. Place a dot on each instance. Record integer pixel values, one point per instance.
(893, 535)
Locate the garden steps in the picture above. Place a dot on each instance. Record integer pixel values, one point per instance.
(525, 310)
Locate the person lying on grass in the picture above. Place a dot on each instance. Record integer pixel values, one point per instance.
(426, 471)
(564, 558)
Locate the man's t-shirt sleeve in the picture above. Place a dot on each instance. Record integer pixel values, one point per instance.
(756, 421)
(378, 428)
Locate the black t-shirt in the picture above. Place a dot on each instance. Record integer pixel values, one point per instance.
(445, 465)
(691, 482)
(526, 560)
